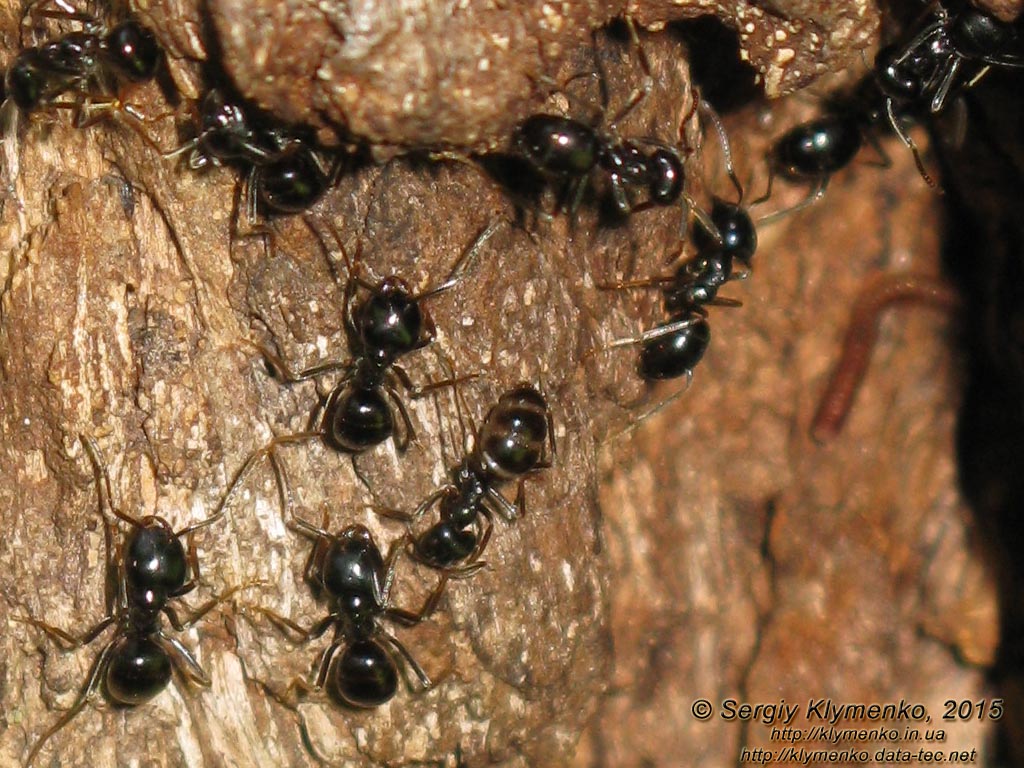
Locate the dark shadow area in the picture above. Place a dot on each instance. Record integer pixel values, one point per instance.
(725, 80)
(984, 253)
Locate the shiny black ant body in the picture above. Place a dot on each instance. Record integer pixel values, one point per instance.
(89, 62)
(517, 440)
(385, 326)
(360, 667)
(908, 81)
(286, 175)
(727, 238)
(928, 67)
(152, 568)
(572, 151)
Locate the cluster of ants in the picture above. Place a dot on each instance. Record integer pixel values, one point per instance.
(85, 71)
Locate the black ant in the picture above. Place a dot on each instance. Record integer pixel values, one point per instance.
(150, 569)
(567, 149)
(904, 79)
(360, 666)
(928, 66)
(674, 348)
(517, 440)
(89, 61)
(385, 326)
(286, 175)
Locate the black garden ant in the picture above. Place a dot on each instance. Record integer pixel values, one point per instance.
(927, 68)
(572, 151)
(286, 174)
(360, 667)
(150, 569)
(674, 348)
(388, 324)
(908, 81)
(88, 62)
(517, 440)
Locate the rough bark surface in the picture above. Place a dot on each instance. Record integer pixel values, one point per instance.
(425, 74)
(715, 552)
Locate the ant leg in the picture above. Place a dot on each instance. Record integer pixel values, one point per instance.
(416, 514)
(814, 195)
(723, 139)
(236, 483)
(651, 334)
(404, 654)
(634, 423)
(465, 260)
(946, 85)
(298, 687)
(285, 374)
(410, 618)
(908, 142)
(88, 693)
(183, 659)
(64, 640)
(509, 511)
(102, 476)
(641, 93)
(192, 558)
(409, 432)
(416, 392)
(647, 282)
(880, 292)
(285, 625)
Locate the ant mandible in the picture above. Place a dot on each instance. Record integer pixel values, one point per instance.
(360, 666)
(385, 326)
(516, 441)
(150, 569)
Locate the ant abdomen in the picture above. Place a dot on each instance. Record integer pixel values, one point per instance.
(559, 145)
(513, 437)
(139, 669)
(293, 183)
(818, 148)
(365, 675)
(359, 419)
(675, 354)
(134, 50)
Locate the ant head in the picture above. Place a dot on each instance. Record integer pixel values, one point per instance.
(902, 77)
(667, 176)
(134, 51)
(390, 322)
(352, 571)
(154, 559)
(737, 230)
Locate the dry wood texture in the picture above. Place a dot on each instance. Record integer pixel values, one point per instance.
(714, 552)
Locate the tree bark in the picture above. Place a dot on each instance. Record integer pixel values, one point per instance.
(715, 552)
